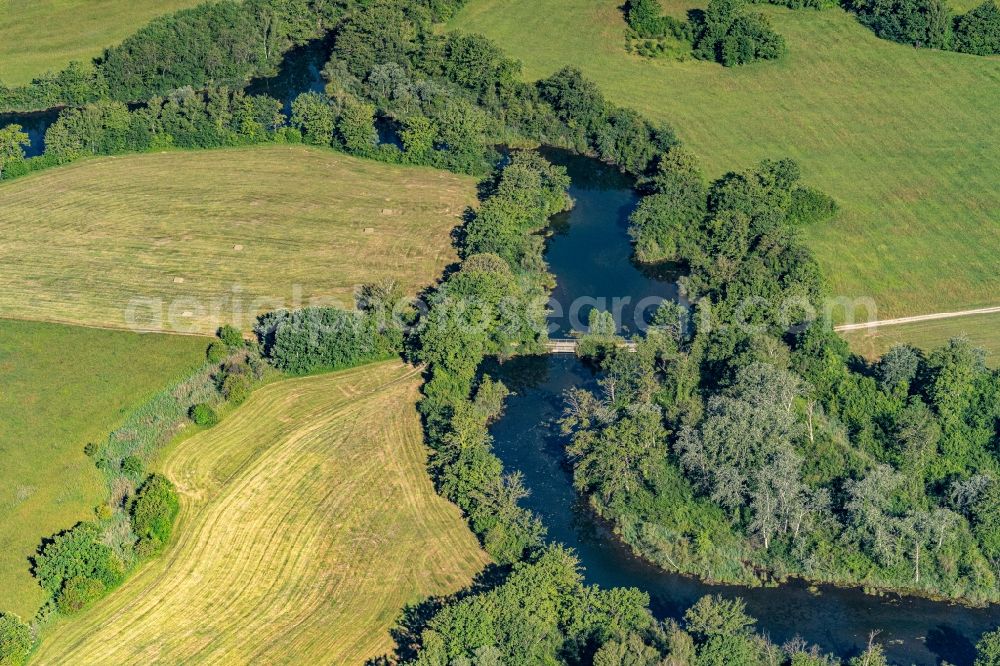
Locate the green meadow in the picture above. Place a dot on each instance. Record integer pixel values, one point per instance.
(981, 330)
(39, 36)
(60, 388)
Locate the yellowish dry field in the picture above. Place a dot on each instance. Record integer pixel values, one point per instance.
(307, 522)
(187, 241)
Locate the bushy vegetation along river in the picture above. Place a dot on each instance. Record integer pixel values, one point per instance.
(590, 254)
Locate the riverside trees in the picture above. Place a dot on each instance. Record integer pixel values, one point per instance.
(12, 143)
(783, 450)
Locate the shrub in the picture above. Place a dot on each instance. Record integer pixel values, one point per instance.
(231, 336)
(237, 387)
(289, 135)
(631, 141)
(732, 36)
(663, 222)
(577, 101)
(988, 649)
(645, 17)
(15, 640)
(77, 552)
(356, 127)
(915, 22)
(417, 134)
(325, 339)
(78, 593)
(714, 615)
(154, 509)
(314, 117)
(216, 351)
(600, 338)
(132, 466)
(21, 167)
(810, 206)
(204, 415)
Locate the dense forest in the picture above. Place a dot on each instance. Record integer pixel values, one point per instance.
(736, 444)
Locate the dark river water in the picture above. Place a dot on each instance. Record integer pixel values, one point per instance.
(590, 254)
(301, 71)
(34, 125)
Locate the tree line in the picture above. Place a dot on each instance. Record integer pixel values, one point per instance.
(448, 99)
(543, 614)
(214, 44)
(727, 33)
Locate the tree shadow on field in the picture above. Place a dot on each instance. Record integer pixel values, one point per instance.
(458, 236)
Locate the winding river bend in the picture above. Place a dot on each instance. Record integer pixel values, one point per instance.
(590, 255)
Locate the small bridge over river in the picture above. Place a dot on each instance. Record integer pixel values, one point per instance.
(568, 345)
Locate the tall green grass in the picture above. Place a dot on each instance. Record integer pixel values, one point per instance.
(62, 387)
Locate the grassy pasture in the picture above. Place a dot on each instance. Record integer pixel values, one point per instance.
(61, 387)
(905, 139)
(38, 36)
(982, 330)
(208, 237)
(307, 522)
(962, 6)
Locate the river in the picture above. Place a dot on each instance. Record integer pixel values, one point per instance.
(590, 254)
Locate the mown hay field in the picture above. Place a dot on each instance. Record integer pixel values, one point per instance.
(39, 36)
(905, 139)
(307, 522)
(187, 241)
(60, 388)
